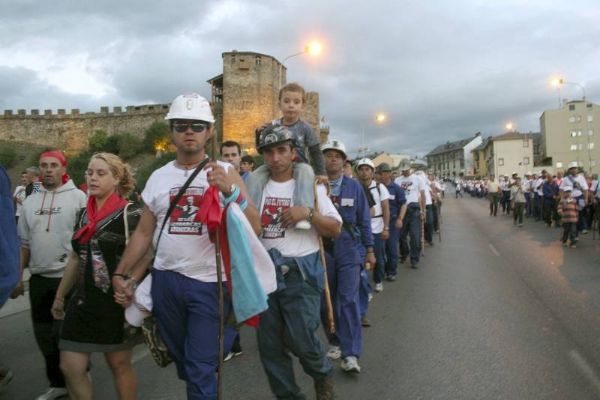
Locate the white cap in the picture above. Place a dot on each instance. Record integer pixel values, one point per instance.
(365, 161)
(335, 145)
(529, 173)
(190, 106)
(572, 164)
(141, 306)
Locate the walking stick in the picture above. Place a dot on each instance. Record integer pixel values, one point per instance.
(221, 294)
(438, 216)
(423, 233)
(330, 318)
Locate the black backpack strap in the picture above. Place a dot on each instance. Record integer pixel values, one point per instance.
(177, 197)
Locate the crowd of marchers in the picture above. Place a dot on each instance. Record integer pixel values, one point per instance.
(309, 236)
(567, 200)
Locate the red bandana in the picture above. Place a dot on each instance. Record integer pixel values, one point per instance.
(112, 204)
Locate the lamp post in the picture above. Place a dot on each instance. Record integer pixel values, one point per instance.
(313, 48)
(379, 119)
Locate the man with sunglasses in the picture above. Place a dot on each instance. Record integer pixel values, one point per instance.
(184, 275)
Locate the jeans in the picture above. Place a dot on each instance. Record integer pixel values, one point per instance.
(518, 212)
(569, 232)
(429, 223)
(494, 199)
(379, 249)
(290, 324)
(42, 292)
(391, 249)
(187, 315)
(411, 227)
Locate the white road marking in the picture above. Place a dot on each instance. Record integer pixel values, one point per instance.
(586, 369)
(493, 249)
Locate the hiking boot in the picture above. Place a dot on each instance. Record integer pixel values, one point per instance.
(324, 388)
(350, 364)
(334, 353)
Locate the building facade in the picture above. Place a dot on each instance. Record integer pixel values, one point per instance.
(454, 158)
(569, 134)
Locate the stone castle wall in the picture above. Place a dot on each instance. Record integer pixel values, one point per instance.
(71, 131)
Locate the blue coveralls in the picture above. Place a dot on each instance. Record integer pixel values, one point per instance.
(290, 324)
(343, 257)
(396, 200)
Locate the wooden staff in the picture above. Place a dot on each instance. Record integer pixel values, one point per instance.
(330, 318)
(221, 294)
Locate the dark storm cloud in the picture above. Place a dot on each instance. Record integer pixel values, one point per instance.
(440, 71)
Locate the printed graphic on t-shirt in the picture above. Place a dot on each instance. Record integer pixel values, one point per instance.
(271, 217)
(406, 185)
(48, 211)
(184, 220)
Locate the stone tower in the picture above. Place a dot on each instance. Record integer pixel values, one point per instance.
(246, 95)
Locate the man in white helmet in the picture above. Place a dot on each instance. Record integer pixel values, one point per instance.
(378, 197)
(344, 257)
(184, 274)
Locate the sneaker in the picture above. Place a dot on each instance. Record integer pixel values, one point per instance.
(379, 287)
(390, 278)
(520, 225)
(573, 245)
(304, 224)
(350, 364)
(584, 231)
(5, 378)
(334, 353)
(413, 265)
(370, 297)
(232, 354)
(53, 393)
(324, 389)
(365, 322)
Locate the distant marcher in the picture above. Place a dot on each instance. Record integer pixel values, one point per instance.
(20, 195)
(246, 166)
(45, 227)
(567, 208)
(33, 177)
(517, 198)
(494, 193)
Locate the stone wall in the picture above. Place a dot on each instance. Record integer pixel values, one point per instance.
(71, 131)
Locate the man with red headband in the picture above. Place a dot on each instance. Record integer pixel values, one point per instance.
(46, 226)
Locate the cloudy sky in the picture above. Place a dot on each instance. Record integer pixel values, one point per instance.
(441, 70)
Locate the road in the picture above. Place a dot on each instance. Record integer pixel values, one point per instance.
(493, 312)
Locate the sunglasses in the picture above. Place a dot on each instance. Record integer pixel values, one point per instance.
(197, 127)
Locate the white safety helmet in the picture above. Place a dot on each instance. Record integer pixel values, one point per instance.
(365, 161)
(572, 164)
(190, 106)
(335, 145)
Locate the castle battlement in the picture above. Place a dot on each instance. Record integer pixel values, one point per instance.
(75, 112)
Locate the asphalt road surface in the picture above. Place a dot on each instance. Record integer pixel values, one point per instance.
(493, 312)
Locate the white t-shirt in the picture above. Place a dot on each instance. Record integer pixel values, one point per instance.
(291, 242)
(21, 195)
(427, 188)
(538, 186)
(412, 186)
(378, 196)
(184, 245)
(526, 185)
(578, 183)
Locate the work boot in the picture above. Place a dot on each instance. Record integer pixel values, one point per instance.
(324, 388)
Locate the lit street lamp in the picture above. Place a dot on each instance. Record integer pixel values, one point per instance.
(313, 48)
(510, 127)
(558, 82)
(380, 118)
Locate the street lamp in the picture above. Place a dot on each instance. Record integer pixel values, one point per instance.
(510, 127)
(558, 82)
(379, 119)
(313, 48)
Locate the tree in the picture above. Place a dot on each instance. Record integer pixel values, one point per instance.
(97, 142)
(8, 156)
(156, 137)
(128, 145)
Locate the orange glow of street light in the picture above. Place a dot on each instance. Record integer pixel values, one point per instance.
(314, 48)
(510, 126)
(380, 118)
(556, 82)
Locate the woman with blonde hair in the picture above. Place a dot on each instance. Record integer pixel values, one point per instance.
(93, 321)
